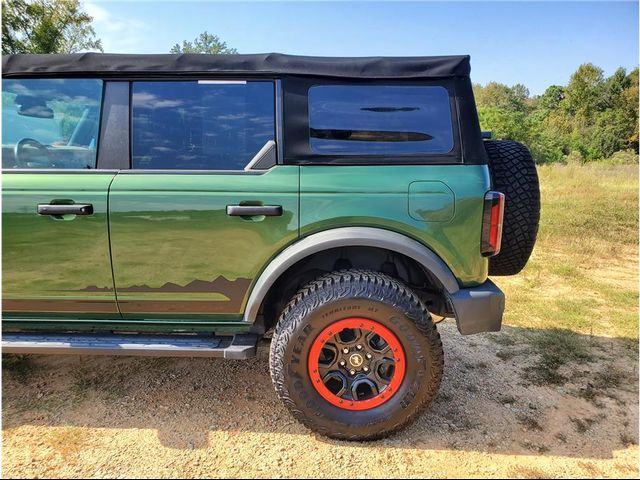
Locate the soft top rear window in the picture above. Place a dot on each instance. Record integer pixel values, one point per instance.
(380, 120)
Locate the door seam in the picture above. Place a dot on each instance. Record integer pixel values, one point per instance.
(113, 273)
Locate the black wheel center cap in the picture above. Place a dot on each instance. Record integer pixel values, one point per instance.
(356, 360)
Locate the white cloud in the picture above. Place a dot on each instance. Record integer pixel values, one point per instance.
(118, 34)
(149, 100)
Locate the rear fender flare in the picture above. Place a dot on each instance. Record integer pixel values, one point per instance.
(347, 237)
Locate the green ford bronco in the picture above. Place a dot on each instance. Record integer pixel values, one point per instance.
(189, 205)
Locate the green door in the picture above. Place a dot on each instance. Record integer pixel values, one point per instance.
(55, 239)
(191, 229)
(177, 252)
(56, 265)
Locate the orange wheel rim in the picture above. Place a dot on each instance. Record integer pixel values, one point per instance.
(356, 364)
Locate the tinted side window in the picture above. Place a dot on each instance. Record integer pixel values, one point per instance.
(50, 123)
(379, 119)
(204, 125)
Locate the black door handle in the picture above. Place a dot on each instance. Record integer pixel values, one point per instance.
(254, 210)
(62, 209)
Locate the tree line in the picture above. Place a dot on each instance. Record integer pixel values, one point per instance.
(62, 26)
(47, 26)
(591, 118)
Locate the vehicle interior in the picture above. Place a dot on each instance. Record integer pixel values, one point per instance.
(47, 131)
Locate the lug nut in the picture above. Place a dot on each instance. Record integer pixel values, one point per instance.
(345, 350)
(366, 369)
(342, 363)
(369, 356)
(359, 347)
(352, 371)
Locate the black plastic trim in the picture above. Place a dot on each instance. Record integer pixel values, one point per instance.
(347, 237)
(254, 210)
(113, 146)
(65, 209)
(237, 347)
(279, 122)
(478, 309)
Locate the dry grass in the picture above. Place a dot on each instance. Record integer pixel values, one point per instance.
(529, 422)
(528, 472)
(68, 442)
(583, 274)
(583, 425)
(553, 349)
(582, 279)
(20, 366)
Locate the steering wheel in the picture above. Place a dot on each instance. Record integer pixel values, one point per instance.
(18, 152)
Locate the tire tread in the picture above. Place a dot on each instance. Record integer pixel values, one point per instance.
(513, 172)
(359, 284)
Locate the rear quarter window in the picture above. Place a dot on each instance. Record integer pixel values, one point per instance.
(380, 120)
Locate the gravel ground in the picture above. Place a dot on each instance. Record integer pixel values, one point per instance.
(72, 416)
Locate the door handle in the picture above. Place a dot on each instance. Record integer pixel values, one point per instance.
(254, 210)
(62, 209)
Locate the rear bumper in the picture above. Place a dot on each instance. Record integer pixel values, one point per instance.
(478, 309)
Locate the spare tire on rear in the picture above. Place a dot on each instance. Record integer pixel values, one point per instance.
(513, 173)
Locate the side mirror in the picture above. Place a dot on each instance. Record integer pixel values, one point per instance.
(33, 107)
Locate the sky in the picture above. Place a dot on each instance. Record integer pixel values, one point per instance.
(533, 43)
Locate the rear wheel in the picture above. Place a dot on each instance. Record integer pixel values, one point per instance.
(355, 355)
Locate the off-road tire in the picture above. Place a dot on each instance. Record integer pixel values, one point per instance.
(513, 173)
(346, 294)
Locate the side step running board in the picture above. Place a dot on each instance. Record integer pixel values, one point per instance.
(236, 347)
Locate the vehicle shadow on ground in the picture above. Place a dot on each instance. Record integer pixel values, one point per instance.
(499, 395)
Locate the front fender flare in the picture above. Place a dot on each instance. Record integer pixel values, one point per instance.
(347, 237)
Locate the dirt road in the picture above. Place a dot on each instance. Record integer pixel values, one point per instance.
(72, 416)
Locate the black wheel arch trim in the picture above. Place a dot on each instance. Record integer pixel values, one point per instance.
(476, 309)
(347, 237)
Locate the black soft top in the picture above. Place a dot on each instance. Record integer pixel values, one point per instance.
(268, 64)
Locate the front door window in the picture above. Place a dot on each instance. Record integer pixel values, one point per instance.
(50, 123)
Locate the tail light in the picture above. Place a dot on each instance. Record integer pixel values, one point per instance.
(492, 223)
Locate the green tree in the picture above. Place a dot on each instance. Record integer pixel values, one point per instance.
(610, 133)
(204, 43)
(46, 26)
(503, 123)
(503, 97)
(504, 110)
(609, 123)
(592, 118)
(585, 93)
(614, 86)
(630, 102)
(550, 100)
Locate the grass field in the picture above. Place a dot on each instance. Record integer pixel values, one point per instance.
(582, 279)
(583, 274)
